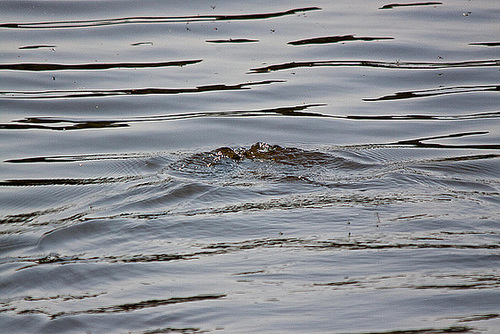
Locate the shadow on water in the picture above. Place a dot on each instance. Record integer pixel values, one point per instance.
(152, 19)
(66, 94)
(95, 66)
(378, 64)
(336, 39)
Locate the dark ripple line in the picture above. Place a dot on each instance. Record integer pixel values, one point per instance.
(479, 317)
(58, 94)
(232, 40)
(461, 158)
(86, 157)
(66, 182)
(130, 306)
(436, 92)
(471, 286)
(222, 248)
(421, 142)
(378, 64)
(141, 43)
(418, 142)
(143, 304)
(63, 124)
(486, 43)
(335, 39)
(447, 330)
(184, 330)
(54, 258)
(31, 47)
(25, 218)
(394, 5)
(472, 283)
(63, 297)
(293, 202)
(151, 19)
(494, 114)
(95, 66)
(75, 126)
(350, 245)
(72, 124)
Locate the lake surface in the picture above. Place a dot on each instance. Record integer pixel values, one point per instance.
(250, 166)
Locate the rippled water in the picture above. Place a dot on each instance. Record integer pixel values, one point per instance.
(249, 167)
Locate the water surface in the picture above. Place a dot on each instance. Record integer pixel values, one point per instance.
(249, 167)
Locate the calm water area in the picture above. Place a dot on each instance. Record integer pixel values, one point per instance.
(253, 166)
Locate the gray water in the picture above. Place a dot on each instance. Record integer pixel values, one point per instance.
(249, 166)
